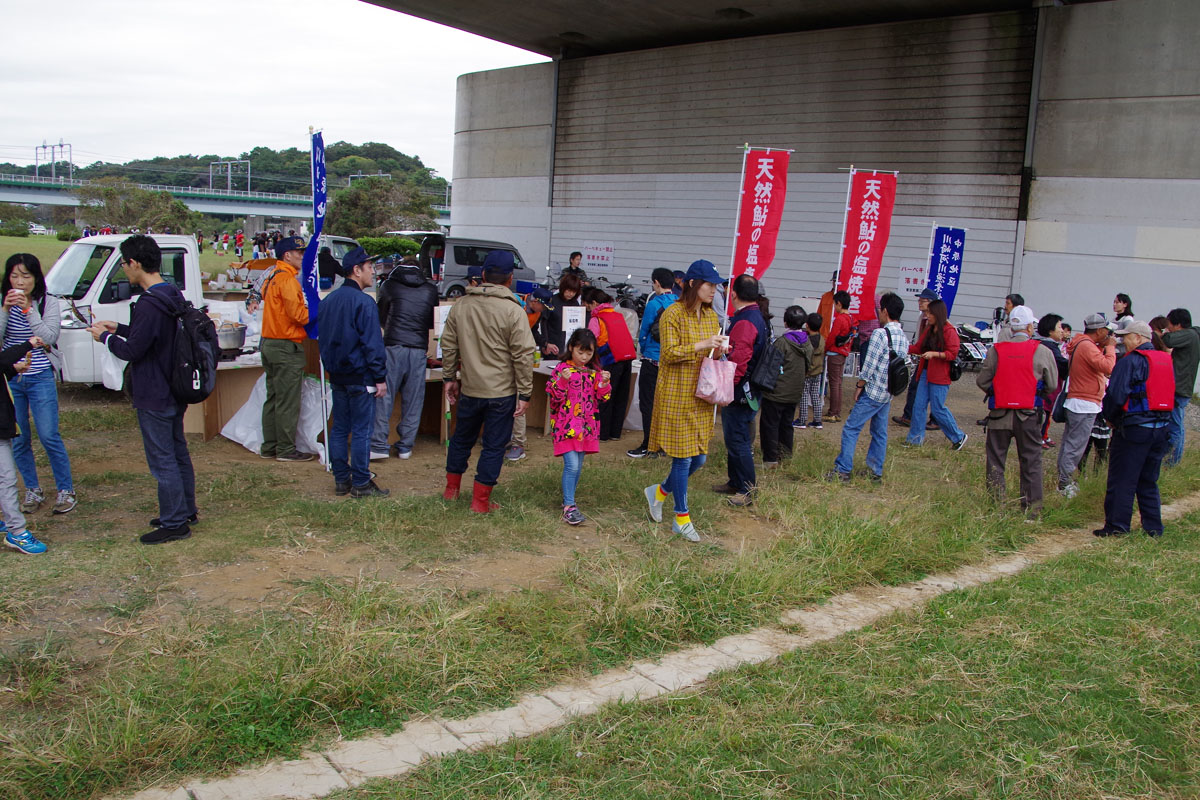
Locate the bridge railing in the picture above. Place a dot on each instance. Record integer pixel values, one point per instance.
(195, 191)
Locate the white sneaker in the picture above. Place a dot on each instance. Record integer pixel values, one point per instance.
(404, 454)
(377, 456)
(687, 531)
(656, 506)
(1069, 491)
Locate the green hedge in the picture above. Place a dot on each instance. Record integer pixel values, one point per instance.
(386, 245)
(68, 233)
(18, 228)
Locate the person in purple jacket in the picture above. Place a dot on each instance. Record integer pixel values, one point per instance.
(147, 343)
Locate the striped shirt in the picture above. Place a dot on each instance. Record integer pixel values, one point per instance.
(18, 331)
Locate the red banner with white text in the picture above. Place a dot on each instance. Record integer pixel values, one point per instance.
(764, 190)
(868, 224)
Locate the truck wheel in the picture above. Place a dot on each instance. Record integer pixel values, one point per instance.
(454, 292)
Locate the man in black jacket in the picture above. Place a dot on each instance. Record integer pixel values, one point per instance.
(148, 343)
(406, 302)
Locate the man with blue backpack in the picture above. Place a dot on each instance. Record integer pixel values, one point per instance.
(148, 344)
(1017, 376)
(663, 281)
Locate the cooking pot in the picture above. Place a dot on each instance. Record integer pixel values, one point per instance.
(231, 336)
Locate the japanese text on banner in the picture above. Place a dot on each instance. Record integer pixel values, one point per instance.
(764, 191)
(868, 225)
(945, 263)
(308, 272)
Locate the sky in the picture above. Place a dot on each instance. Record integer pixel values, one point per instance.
(129, 79)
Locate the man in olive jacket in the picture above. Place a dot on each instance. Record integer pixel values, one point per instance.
(1184, 342)
(487, 369)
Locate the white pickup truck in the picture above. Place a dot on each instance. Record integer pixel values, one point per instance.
(89, 279)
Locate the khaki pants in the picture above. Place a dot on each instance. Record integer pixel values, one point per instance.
(283, 363)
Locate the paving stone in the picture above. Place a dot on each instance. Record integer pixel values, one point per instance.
(757, 646)
(575, 700)
(533, 714)
(685, 668)
(432, 738)
(624, 685)
(375, 757)
(283, 780)
(156, 793)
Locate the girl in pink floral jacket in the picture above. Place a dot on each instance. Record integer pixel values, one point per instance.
(575, 390)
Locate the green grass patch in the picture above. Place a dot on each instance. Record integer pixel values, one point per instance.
(1075, 679)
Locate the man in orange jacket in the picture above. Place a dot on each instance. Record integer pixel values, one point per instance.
(284, 316)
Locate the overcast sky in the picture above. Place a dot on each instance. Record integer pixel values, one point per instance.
(128, 79)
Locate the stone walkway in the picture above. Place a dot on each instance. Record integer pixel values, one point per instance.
(350, 763)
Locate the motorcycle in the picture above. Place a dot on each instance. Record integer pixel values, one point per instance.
(624, 293)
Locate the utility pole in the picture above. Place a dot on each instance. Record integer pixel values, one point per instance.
(55, 153)
(225, 167)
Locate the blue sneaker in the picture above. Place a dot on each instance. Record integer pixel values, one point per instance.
(25, 542)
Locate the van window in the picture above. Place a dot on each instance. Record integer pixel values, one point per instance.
(76, 269)
(338, 249)
(473, 256)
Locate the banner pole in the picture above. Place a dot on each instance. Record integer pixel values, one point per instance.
(841, 253)
(737, 216)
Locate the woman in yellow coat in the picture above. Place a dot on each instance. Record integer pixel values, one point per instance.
(682, 423)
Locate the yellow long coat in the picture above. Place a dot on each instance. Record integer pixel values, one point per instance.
(682, 424)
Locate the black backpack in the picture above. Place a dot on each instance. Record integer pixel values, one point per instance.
(897, 369)
(193, 371)
(768, 368)
(654, 330)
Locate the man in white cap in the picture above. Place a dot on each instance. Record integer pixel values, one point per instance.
(1138, 405)
(1092, 354)
(1017, 376)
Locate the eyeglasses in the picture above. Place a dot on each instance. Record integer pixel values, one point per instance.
(125, 262)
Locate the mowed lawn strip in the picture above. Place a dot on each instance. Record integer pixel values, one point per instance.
(210, 689)
(1075, 679)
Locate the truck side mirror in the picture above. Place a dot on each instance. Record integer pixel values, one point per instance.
(118, 291)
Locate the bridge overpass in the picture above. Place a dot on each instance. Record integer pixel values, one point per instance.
(62, 192)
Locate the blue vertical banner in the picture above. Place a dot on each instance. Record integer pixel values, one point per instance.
(945, 262)
(308, 273)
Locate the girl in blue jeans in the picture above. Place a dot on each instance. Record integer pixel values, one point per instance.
(937, 348)
(28, 311)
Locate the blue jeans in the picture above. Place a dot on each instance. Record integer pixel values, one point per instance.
(169, 462)
(406, 377)
(572, 466)
(676, 483)
(494, 415)
(864, 411)
(737, 422)
(1134, 459)
(1175, 430)
(38, 394)
(932, 396)
(353, 418)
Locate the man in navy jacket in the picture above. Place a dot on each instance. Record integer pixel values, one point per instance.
(353, 354)
(147, 343)
(1141, 380)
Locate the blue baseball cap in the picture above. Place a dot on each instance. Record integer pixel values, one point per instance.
(703, 271)
(541, 294)
(355, 257)
(474, 272)
(501, 261)
(928, 294)
(289, 243)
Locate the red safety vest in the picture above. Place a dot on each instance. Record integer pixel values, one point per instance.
(1015, 385)
(620, 344)
(1158, 393)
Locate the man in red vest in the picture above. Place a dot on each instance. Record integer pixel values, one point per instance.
(1017, 376)
(1138, 405)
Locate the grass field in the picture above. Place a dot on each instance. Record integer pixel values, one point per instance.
(293, 617)
(48, 249)
(1076, 679)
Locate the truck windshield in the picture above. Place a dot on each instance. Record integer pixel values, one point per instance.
(73, 273)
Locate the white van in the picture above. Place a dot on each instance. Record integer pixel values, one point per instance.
(92, 286)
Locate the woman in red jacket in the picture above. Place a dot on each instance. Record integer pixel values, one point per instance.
(936, 350)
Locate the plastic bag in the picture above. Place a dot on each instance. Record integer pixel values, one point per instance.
(245, 427)
(112, 369)
(715, 384)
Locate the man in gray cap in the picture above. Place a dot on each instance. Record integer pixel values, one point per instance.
(1017, 376)
(1138, 405)
(1092, 354)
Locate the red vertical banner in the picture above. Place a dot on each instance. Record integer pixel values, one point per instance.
(764, 190)
(868, 224)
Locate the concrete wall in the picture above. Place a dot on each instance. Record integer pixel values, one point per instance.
(648, 146)
(503, 146)
(1113, 204)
